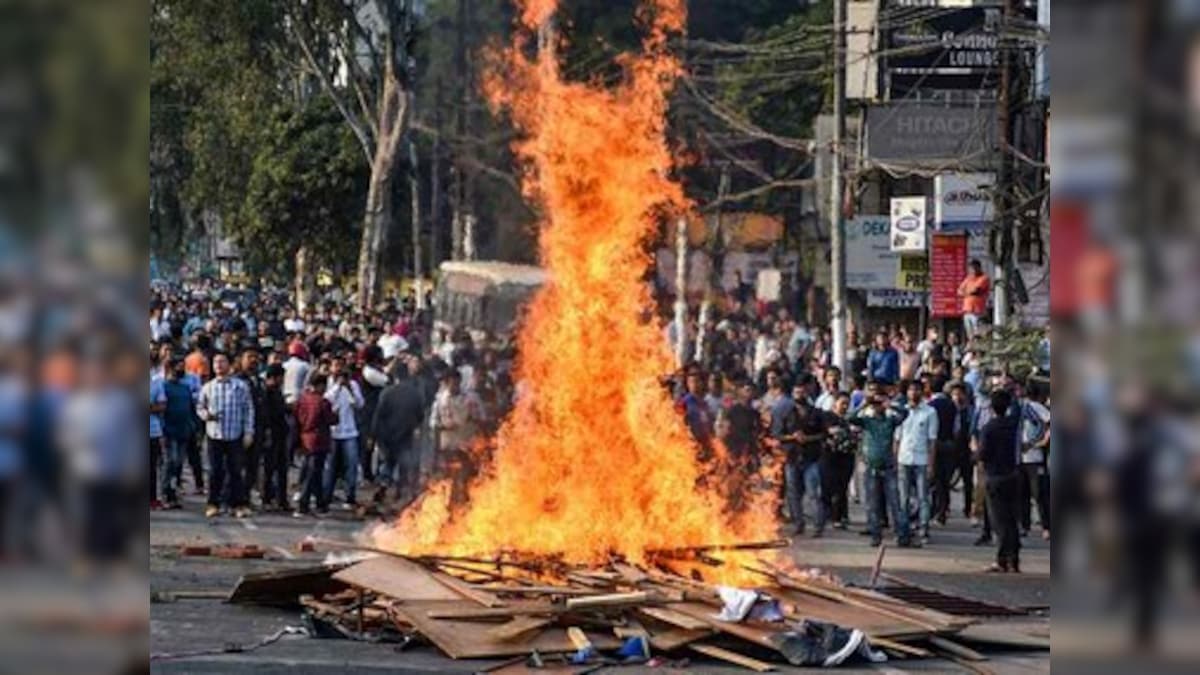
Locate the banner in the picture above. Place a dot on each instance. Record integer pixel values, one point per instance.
(931, 135)
(962, 201)
(870, 263)
(913, 274)
(948, 267)
(908, 224)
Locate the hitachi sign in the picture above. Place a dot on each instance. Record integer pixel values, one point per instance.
(933, 124)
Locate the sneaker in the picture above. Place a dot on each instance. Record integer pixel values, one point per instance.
(840, 526)
(1045, 535)
(211, 511)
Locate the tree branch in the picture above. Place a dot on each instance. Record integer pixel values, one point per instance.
(361, 130)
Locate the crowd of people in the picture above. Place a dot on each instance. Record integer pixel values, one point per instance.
(242, 393)
(354, 400)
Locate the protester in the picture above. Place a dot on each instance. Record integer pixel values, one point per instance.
(883, 361)
(179, 429)
(837, 461)
(800, 431)
(999, 456)
(974, 291)
(274, 448)
(315, 419)
(879, 421)
(225, 406)
(918, 433)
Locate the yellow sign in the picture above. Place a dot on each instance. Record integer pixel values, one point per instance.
(913, 273)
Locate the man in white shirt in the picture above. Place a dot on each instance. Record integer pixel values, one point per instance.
(917, 435)
(345, 397)
(1035, 481)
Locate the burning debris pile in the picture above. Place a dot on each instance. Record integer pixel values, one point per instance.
(542, 609)
(594, 457)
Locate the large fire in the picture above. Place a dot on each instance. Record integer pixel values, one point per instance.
(594, 459)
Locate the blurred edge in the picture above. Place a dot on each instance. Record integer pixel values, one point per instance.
(74, 225)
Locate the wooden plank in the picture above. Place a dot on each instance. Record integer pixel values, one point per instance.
(747, 630)
(466, 590)
(611, 600)
(733, 657)
(670, 640)
(469, 639)
(283, 588)
(674, 618)
(956, 649)
(468, 611)
(892, 645)
(397, 578)
(518, 626)
(535, 590)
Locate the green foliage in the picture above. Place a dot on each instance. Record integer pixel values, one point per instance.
(307, 185)
(1011, 349)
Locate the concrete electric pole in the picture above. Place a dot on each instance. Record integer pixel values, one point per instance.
(837, 190)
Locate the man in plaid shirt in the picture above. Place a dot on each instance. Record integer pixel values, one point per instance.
(228, 413)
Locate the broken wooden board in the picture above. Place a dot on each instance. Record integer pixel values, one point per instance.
(517, 627)
(611, 600)
(283, 588)
(674, 618)
(866, 619)
(396, 578)
(469, 611)
(461, 639)
(674, 638)
(1004, 635)
(465, 590)
(733, 657)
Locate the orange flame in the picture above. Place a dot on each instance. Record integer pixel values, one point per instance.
(593, 459)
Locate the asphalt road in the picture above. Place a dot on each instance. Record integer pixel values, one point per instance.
(192, 636)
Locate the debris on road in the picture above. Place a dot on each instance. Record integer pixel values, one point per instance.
(519, 606)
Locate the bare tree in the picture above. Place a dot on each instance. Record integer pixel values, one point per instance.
(360, 51)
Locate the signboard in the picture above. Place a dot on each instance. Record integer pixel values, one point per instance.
(927, 134)
(896, 299)
(908, 224)
(955, 47)
(870, 262)
(913, 274)
(948, 266)
(962, 201)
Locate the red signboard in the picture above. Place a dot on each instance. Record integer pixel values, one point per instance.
(947, 267)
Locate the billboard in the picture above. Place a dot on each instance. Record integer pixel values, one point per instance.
(926, 134)
(946, 46)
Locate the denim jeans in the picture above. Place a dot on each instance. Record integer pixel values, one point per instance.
(914, 484)
(176, 450)
(881, 484)
(804, 477)
(347, 448)
(313, 466)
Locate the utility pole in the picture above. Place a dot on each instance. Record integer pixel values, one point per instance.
(435, 187)
(414, 186)
(1004, 176)
(837, 190)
